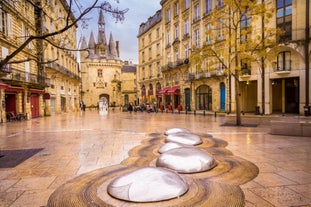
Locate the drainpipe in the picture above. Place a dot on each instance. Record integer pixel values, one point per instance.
(263, 66)
(307, 59)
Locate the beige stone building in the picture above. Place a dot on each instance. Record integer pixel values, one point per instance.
(104, 75)
(150, 44)
(281, 84)
(63, 93)
(41, 79)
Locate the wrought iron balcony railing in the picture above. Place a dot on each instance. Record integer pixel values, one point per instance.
(25, 77)
(63, 70)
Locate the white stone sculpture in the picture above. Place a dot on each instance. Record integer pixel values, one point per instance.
(186, 160)
(148, 184)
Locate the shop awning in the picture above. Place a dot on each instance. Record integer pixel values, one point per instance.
(3, 86)
(174, 90)
(14, 89)
(36, 91)
(162, 91)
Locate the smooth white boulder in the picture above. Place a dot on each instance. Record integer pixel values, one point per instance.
(170, 145)
(186, 160)
(148, 184)
(184, 138)
(176, 130)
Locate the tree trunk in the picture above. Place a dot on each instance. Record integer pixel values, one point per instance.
(237, 100)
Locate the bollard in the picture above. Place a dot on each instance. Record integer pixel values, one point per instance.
(194, 112)
(186, 111)
(204, 113)
(215, 114)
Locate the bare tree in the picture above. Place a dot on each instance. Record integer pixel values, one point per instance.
(70, 21)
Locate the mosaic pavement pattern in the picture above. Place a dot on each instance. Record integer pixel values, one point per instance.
(218, 187)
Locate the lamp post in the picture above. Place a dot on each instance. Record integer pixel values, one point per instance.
(307, 107)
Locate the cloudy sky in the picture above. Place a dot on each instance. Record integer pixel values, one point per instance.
(125, 32)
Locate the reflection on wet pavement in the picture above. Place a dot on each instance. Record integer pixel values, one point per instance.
(85, 143)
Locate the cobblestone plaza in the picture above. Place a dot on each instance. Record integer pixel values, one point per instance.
(39, 155)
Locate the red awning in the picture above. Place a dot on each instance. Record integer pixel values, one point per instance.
(36, 91)
(174, 90)
(3, 86)
(162, 91)
(14, 89)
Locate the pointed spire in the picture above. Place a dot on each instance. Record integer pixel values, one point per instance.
(92, 41)
(83, 44)
(112, 47)
(101, 20)
(101, 37)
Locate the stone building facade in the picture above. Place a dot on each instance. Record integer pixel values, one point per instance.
(150, 59)
(41, 79)
(63, 93)
(280, 85)
(102, 71)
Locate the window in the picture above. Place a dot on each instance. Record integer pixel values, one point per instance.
(100, 73)
(284, 61)
(150, 71)
(197, 12)
(150, 39)
(176, 79)
(220, 3)
(176, 9)
(143, 42)
(143, 73)
(197, 38)
(284, 18)
(220, 30)
(208, 34)
(158, 49)
(150, 53)
(176, 32)
(186, 27)
(244, 26)
(186, 51)
(168, 40)
(143, 56)
(176, 55)
(208, 6)
(158, 32)
(158, 68)
(168, 15)
(5, 23)
(186, 4)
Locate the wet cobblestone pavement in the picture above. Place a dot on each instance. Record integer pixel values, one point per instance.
(62, 147)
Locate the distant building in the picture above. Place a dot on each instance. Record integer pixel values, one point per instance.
(101, 70)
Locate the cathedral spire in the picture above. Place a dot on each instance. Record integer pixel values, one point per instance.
(92, 41)
(112, 47)
(101, 20)
(101, 29)
(83, 44)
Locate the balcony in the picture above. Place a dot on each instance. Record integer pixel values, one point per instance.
(63, 70)
(173, 65)
(245, 72)
(284, 68)
(205, 74)
(21, 77)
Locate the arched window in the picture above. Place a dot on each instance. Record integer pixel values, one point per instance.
(204, 98)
